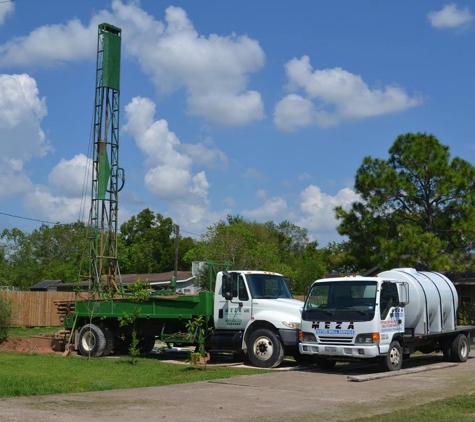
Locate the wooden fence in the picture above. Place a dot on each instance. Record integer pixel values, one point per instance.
(36, 309)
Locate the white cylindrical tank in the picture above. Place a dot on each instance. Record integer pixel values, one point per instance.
(433, 300)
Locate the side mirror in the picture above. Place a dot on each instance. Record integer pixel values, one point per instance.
(227, 286)
(403, 293)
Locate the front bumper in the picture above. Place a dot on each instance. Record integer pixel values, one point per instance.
(363, 351)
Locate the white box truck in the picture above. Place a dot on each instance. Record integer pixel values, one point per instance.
(384, 318)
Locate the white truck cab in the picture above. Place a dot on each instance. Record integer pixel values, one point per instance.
(254, 313)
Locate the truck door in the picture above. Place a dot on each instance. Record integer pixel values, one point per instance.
(392, 316)
(235, 314)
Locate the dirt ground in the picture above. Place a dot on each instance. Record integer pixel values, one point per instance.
(34, 344)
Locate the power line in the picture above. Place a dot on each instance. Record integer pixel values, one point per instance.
(26, 218)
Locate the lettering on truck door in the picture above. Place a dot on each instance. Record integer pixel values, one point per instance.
(392, 316)
(237, 312)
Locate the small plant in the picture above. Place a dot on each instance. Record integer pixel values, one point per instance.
(126, 319)
(139, 291)
(5, 318)
(197, 333)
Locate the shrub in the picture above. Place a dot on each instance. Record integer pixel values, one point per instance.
(5, 318)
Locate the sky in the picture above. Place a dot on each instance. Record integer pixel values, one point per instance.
(263, 109)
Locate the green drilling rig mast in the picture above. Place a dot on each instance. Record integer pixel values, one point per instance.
(106, 173)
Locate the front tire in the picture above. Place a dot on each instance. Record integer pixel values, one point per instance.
(393, 360)
(325, 363)
(460, 348)
(92, 341)
(265, 349)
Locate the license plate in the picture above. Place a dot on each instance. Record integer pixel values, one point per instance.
(329, 349)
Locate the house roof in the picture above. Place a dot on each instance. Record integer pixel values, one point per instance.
(157, 277)
(152, 279)
(43, 285)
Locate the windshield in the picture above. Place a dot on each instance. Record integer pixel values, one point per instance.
(329, 300)
(268, 286)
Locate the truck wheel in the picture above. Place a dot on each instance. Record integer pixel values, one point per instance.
(265, 349)
(146, 344)
(302, 359)
(325, 363)
(460, 348)
(446, 347)
(109, 341)
(92, 341)
(393, 360)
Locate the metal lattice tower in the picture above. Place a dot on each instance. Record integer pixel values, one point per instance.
(106, 173)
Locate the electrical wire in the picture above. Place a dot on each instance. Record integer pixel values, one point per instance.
(31, 219)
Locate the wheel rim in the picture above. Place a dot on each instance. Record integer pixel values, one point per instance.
(263, 348)
(395, 357)
(88, 341)
(463, 348)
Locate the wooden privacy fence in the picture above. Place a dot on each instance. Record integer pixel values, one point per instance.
(36, 309)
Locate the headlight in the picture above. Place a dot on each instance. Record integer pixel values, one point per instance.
(292, 325)
(368, 338)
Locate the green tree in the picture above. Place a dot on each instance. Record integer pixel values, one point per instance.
(416, 208)
(45, 253)
(283, 248)
(146, 244)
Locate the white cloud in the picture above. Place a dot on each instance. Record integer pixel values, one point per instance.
(71, 177)
(53, 208)
(50, 45)
(313, 210)
(213, 70)
(168, 171)
(333, 96)
(317, 208)
(450, 17)
(6, 9)
(200, 154)
(272, 209)
(21, 114)
(294, 111)
(252, 173)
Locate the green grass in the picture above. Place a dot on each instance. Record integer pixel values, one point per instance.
(31, 331)
(37, 374)
(459, 408)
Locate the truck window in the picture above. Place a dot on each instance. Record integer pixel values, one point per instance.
(239, 287)
(388, 298)
(268, 286)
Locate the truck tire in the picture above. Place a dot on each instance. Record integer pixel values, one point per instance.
(109, 340)
(393, 360)
(325, 363)
(460, 348)
(146, 344)
(302, 359)
(265, 349)
(92, 341)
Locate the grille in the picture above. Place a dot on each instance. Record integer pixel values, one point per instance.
(335, 340)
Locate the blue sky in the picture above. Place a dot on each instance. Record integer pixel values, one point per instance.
(257, 108)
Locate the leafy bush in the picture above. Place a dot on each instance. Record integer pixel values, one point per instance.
(5, 318)
(466, 314)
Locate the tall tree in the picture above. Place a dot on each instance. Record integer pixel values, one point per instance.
(45, 253)
(283, 248)
(417, 207)
(147, 244)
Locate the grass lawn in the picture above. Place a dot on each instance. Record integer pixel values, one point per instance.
(459, 408)
(24, 374)
(31, 331)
